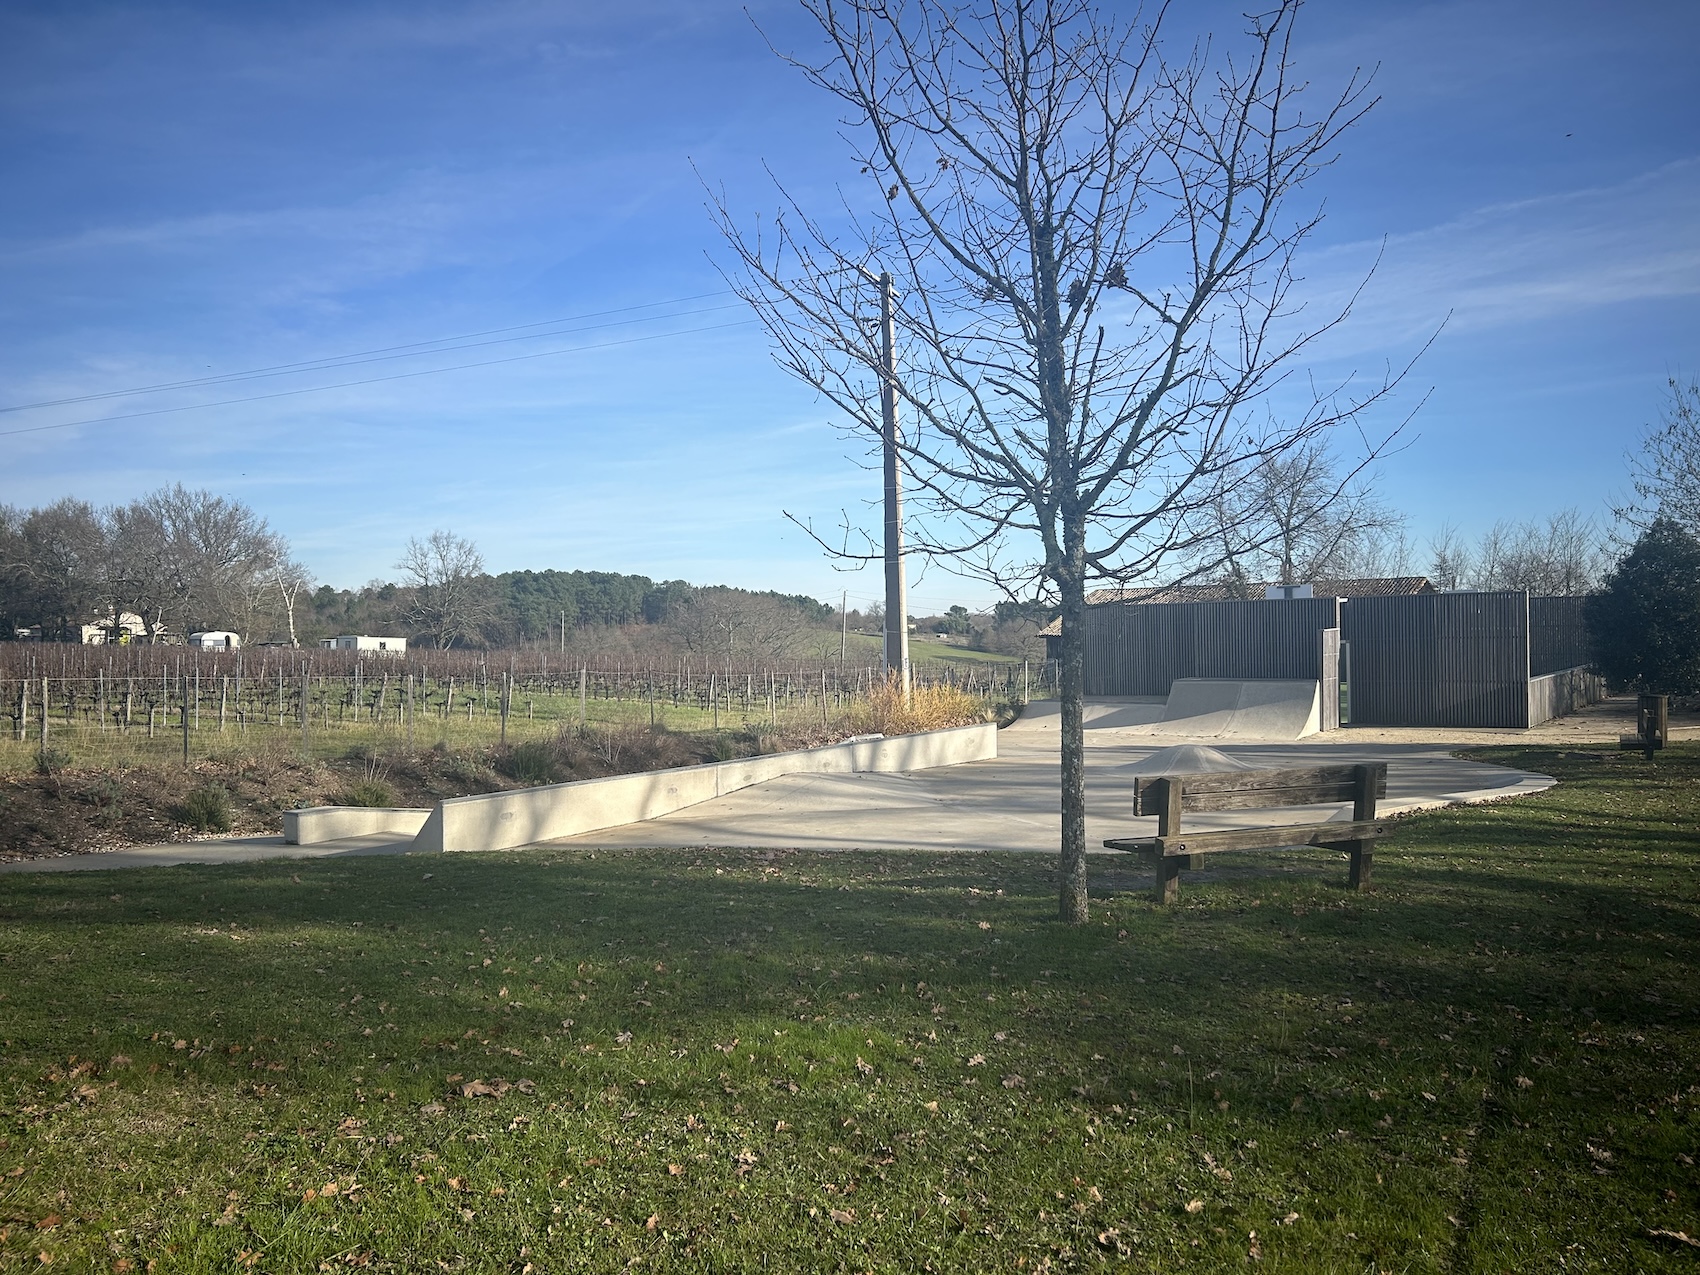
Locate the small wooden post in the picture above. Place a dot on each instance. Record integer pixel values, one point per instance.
(306, 712)
(506, 704)
(410, 710)
(582, 698)
(1169, 866)
(183, 711)
(223, 696)
(45, 698)
(1363, 811)
(1652, 722)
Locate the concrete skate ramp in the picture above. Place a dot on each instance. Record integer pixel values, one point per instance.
(1228, 708)
(1101, 713)
(1197, 708)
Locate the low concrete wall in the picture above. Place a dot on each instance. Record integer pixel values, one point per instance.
(1555, 694)
(330, 823)
(503, 820)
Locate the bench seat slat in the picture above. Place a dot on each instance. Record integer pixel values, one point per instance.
(1229, 839)
(1255, 789)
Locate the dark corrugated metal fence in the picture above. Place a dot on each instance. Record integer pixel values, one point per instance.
(1139, 649)
(1438, 659)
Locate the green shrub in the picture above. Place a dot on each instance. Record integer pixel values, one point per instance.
(106, 795)
(50, 761)
(369, 792)
(207, 809)
(531, 763)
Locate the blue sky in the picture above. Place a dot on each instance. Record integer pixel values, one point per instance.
(194, 190)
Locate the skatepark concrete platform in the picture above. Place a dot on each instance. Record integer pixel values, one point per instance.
(1005, 803)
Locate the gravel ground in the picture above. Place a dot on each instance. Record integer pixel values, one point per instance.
(1601, 723)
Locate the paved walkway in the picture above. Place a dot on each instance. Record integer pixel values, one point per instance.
(1009, 803)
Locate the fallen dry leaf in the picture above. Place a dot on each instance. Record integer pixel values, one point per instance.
(978, 1060)
(1195, 1206)
(1013, 1081)
(846, 1216)
(1681, 1237)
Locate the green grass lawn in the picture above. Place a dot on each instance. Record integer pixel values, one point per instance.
(751, 1061)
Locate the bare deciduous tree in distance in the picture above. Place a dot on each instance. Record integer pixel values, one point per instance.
(1565, 556)
(1301, 516)
(1094, 254)
(291, 580)
(1666, 471)
(444, 587)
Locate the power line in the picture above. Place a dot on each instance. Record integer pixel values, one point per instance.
(464, 341)
(374, 380)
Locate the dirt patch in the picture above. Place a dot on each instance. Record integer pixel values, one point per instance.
(81, 811)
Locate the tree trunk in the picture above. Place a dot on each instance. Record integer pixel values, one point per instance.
(1072, 902)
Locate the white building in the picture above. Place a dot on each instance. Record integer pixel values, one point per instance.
(215, 640)
(359, 642)
(128, 627)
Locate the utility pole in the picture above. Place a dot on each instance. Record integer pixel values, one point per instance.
(843, 626)
(896, 591)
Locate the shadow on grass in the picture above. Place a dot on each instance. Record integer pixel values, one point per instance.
(1496, 1034)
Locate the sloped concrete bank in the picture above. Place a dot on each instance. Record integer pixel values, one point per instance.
(503, 820)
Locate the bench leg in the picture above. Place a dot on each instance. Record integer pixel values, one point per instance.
(1363, 858)
(1168, 878)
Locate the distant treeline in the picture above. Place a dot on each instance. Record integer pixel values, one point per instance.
(528, 607)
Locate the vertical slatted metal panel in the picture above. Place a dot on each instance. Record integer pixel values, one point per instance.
(1141, 649)
(1558, 635)
(1445, 659)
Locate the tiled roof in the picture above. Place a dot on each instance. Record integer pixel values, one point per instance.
(1368, 587)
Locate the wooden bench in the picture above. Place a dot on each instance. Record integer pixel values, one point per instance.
(1172, 796)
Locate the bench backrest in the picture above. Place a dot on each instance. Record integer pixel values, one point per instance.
(1261, 789)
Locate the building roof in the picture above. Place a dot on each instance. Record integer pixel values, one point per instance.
(1365, 587)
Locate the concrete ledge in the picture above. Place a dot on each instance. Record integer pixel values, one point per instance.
(331, 823)
(1562, 693)
(503, 820)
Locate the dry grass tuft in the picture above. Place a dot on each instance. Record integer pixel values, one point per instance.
(884, 711)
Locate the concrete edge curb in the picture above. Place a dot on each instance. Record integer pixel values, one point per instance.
(504, 820)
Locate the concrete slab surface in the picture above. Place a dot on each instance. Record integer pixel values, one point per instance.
(1010, 803)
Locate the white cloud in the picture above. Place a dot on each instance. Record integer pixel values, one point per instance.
(1550, 256)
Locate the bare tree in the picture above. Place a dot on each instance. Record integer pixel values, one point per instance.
(1300, 516)
(53, 566)
(1094, 248)
(1666, 472)
(444, 594)
(734, 626)
(1450, 560)
(1564, 557)
(291, 580)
